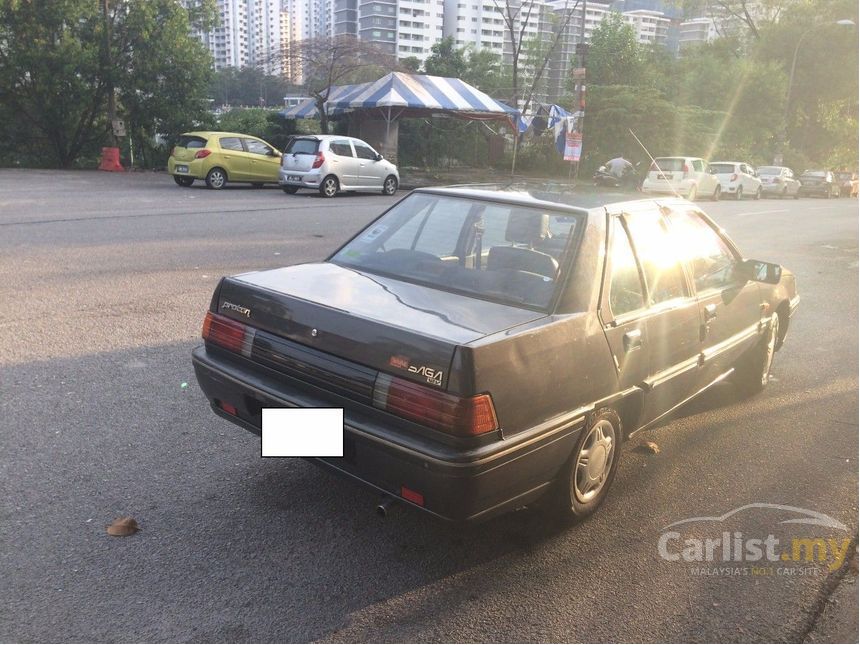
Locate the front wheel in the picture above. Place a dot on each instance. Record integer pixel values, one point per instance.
(216, 178)
(329, 186)
(691, 195)
(389, 186)
(740, 194)
(584, 481)
(717, 192)
(758, 193)
(752, 373)
(185, 182)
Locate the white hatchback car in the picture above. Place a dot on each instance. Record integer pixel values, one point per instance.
(332, 163)
(737, 179)
(688, 177)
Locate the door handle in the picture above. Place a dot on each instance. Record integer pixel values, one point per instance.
(632, 340)
(710, 312)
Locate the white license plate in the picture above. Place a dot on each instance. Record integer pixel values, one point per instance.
(294, 178)
(181, 168)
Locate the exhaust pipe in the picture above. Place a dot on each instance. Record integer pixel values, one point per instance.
(383, 506)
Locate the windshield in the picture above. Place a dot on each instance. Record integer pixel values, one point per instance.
(668, 164)
(501, 252)
(302, 147)
(722, 168)
(770, 170)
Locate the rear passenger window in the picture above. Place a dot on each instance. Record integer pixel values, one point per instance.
(625, 285)
(709, 257)
(341, 148)
(658, 256)
(231, 143)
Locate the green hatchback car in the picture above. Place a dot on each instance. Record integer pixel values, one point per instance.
(221, 157)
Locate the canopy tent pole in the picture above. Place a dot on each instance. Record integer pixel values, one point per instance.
(516, 130)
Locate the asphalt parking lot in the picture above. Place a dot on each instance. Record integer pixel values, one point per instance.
(104, 280)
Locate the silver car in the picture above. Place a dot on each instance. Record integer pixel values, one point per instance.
(331, 163)
(778, 181)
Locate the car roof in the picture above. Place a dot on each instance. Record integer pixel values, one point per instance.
(218, 133)
(736, 163)
(327, 137)
(556, 195)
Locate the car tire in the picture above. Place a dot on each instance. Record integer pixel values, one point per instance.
(758, 194)
(216, 178)
(752, 372)
(691, 194)
(290, 190)
(740, 194)
(717, 192)
(389, 186)
(329, 186)
(585, 479)
(185, 182)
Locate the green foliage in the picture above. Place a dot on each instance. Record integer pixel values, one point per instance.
(253, 121)
(411, 64)
(248, 86)
(615, 57)
(446, 59)
(56, 72)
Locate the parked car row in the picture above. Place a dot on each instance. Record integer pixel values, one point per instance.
(694, 177)
(327, 163)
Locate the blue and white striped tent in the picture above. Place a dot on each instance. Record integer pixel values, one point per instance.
(399, 94)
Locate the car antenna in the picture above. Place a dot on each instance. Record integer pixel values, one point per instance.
(654, 161)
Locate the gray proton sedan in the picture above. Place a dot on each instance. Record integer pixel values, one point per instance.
(491, 346)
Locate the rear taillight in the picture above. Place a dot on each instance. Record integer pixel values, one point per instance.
(734, 177)
(686, 169)
(201, 154)
(461, 416)
(319, 160)
(228, 333)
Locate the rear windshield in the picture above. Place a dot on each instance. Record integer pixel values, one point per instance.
(302, 147)
(814, 173)
(501, 252)
(770, 170)
(190, 141)
(722, 168)
(668, 164)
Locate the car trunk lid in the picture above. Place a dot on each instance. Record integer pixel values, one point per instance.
(187, 147)
(300, 154)
(404, 329)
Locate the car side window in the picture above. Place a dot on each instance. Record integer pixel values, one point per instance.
(698, 165)
(658, 256)
(341, 148)
(231, 143)
(626, 293)
(363, 151)
(711, 260)
(258, 147)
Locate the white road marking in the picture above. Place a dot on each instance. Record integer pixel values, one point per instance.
(775, 210)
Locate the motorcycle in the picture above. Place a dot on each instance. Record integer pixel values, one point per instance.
(628, 179)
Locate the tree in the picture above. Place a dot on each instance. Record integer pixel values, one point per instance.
(59, 60)
(329, 61)
(411, 64)
(615, 56)
(247, 86)
(517, 16)
(445, 59)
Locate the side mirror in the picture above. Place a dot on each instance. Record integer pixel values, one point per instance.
(379, 157)
(759, 271)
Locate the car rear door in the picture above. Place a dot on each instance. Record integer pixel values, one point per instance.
(732, 308)
(343, 162)
(234, 159)
(265, 161)
(672, 320)
(371, 172)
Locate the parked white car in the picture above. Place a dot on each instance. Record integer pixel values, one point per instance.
(332, 163)
(737, 179)
(688, 177)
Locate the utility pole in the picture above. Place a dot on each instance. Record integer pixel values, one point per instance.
(108, 71)
(581, 50)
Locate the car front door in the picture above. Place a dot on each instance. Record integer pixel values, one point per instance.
(234, 159)
(265, 162)
(371, 172)
(343, 162)
(732, 308)
(672, 321)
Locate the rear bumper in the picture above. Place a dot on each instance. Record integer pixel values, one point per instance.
(306, 179)
(196, 168)
(458, 484)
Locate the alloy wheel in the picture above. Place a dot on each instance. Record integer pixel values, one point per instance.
(594, 461)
